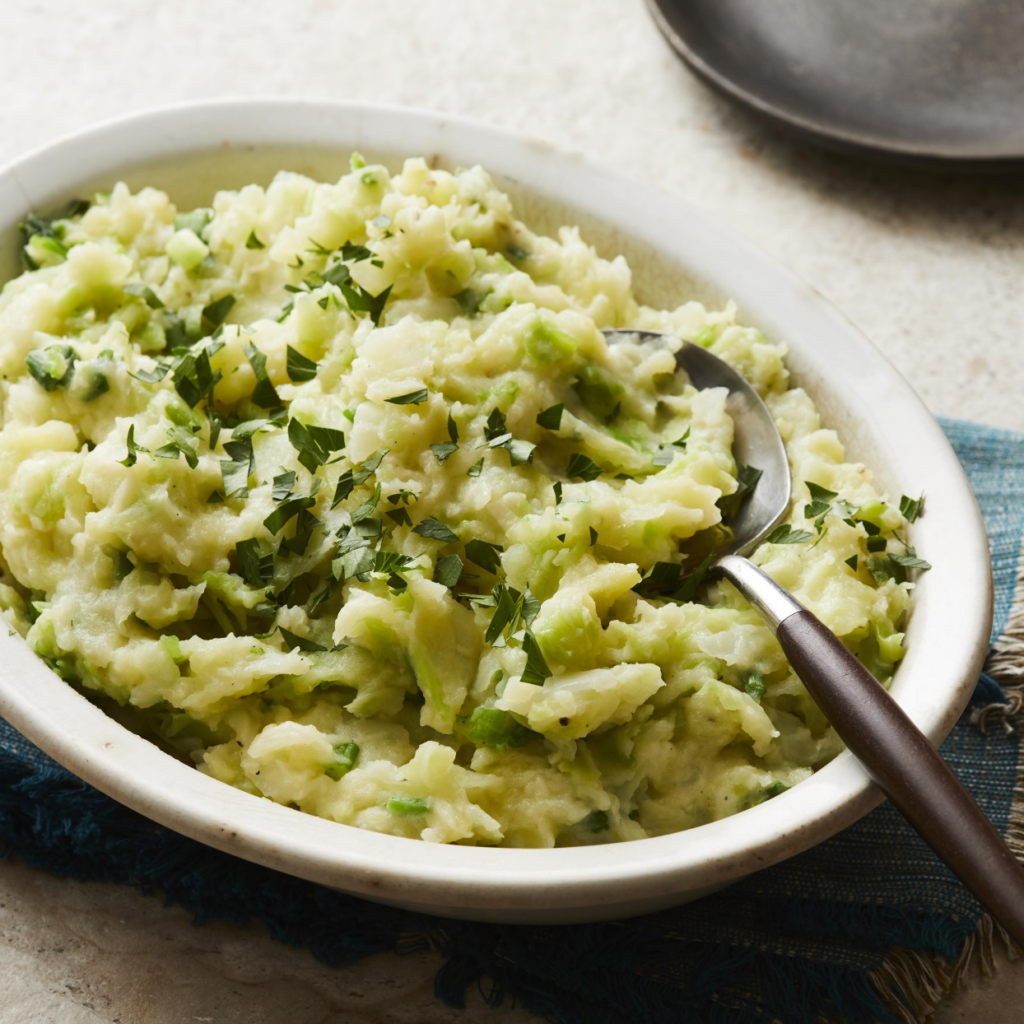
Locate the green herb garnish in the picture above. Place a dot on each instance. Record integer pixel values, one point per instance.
(314, 444)
(235, 473)
(412, 398)
(910, 508)
(486, 555)
(448, 571)
(408, 806)
(551, 418)
(785, 534)
(433, 528)
(144, 292)
(300, 368)
(753, 685)
(444, 450)
(179, 442)
(52, 367)
(582, 467)
(133, 448)
(345, 757)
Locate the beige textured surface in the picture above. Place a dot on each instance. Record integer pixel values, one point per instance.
(928, 265)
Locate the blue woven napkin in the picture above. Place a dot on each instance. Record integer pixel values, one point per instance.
(867, 927)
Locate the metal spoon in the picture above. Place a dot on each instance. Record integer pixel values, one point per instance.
(896, 754)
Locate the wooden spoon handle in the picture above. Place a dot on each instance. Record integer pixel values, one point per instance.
(906, 767)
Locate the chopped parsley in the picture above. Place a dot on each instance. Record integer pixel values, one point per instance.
(133, 448)
(433, 528)
(486, 555)
(300, 368)
(264, 394)
(551, 418)
(785, 534)
(536, 670)
(255, 566)
(217, 312)
(910, 508)
(303, 643)
(236, 472)
(444, 450)
(667, 452)
(582, 467)
(352, 478)
(448, 571)
(144, 292)
(287, 510)
(179, 442)
(314, 444)
(417, 397)
(746, 480)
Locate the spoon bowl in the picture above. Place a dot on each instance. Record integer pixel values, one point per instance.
(756, 442)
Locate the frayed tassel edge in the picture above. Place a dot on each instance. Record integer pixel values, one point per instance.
(911, 983)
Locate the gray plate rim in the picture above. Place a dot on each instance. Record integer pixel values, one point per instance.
(823, 132)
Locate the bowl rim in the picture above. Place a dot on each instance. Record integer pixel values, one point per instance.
(952, 609)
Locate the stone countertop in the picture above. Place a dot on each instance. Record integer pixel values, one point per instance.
(927, 264)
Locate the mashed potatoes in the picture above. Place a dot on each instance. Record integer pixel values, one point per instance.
(341, 492)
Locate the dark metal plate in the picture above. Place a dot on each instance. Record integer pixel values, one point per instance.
(919, 80)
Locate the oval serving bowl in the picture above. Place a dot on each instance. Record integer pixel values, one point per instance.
(676, 252)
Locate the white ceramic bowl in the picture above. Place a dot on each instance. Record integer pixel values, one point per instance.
(675, 250)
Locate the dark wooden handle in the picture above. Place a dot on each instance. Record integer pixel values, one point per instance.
(907, 768)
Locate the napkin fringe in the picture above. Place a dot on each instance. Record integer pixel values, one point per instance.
(911, 982)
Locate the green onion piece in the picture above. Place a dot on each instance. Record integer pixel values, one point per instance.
(252, 242)
(753, 685)
(495, 728)
(52, 367)
(408, 806)
(345, 756)
(476, 469)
